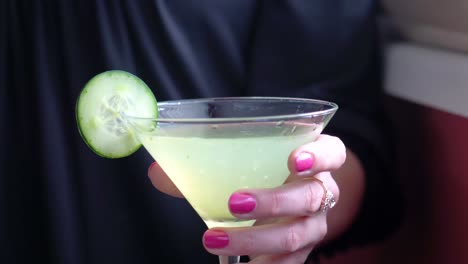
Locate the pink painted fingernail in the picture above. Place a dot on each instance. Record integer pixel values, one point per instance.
(215, 239)
(304, 162)
(150, 167)
(242, 203)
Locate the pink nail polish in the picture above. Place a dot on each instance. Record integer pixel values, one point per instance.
(242, 203)
(215, 239)
(150, 167)
(304, 162)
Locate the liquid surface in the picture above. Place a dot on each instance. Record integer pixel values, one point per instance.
(209, 167)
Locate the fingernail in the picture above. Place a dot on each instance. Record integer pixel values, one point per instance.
(304, 162)
(242, 203)
(150, 167)
(215, 239)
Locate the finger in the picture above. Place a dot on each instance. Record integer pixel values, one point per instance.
(299, 198)
(299, 256)
(327, 153)
(280, 238)
(161, 181)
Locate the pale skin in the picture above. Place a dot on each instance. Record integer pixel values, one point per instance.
(290, 223)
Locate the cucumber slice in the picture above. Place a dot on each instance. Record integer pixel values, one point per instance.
(99, 112)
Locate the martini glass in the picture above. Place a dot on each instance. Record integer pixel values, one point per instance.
(213, 147)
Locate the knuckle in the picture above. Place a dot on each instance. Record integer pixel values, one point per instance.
(275, 208)
(311, 196)
(248, 244)
(338, 157)
(342, 155)
(341, 149)
(292, 241)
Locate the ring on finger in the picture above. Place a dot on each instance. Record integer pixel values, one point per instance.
(328, 200)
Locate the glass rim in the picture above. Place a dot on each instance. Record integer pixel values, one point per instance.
(264, 118)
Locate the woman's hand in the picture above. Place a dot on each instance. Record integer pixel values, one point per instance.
(290, 221)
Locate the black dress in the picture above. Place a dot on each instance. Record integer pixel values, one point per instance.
(60, 203)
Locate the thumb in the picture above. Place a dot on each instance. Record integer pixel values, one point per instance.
(161, 181)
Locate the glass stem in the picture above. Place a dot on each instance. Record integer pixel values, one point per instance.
(229, 259)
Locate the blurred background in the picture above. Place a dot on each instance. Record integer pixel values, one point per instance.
(426, 84)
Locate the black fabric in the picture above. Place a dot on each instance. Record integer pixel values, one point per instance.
(60, 203)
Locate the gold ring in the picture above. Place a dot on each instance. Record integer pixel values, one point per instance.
(328, 200)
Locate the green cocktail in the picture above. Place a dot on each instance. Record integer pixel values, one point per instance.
(208, 167)
(211, 148)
